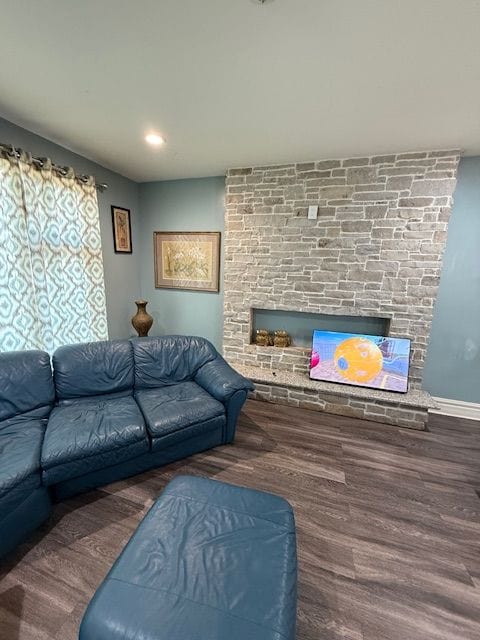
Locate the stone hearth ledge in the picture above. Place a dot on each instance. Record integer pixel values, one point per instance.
(413, 397)
(294, 388)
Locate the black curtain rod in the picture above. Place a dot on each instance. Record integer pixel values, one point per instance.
(16, 152)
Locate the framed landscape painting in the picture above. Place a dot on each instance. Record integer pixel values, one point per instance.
(187, 260)
(122, 231)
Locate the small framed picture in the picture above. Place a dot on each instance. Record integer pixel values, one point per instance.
(122, 230)
(187, 260)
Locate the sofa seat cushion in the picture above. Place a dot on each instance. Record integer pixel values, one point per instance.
(88, 434)
(170, 409)
(20, 448)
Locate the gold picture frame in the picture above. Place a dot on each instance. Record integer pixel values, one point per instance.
(187, 260)
(122, 230)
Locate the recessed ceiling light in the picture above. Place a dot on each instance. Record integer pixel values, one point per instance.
(154, 139)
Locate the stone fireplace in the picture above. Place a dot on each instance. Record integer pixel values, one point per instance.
(373, 253)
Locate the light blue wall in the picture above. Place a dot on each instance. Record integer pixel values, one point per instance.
(182, 205)
(453, 359)
(122, 272)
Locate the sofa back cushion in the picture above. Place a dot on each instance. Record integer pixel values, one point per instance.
(169, 359)
(26, 383)
(93, 369)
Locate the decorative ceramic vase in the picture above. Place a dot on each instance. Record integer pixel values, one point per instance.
(263, 338)
(142, 321)
(282, 339)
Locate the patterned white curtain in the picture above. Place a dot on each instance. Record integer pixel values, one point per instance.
(52, 288)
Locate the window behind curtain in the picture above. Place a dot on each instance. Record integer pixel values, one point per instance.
(52, 289)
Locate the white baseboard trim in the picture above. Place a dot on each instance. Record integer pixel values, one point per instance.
(457, 408)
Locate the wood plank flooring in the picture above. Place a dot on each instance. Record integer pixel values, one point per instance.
(388, 528)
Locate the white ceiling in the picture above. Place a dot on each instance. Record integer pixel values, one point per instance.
(234, 83)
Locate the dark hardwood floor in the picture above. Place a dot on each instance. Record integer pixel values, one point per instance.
(388, 528)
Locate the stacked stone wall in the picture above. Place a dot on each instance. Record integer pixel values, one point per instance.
(375, 249)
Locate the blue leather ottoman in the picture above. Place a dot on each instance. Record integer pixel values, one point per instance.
(210, 561)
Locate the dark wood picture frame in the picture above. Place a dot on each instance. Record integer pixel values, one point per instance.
(122, 230)
(195, 268)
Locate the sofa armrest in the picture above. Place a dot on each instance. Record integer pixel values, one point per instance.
(221, 381)
(226, 385)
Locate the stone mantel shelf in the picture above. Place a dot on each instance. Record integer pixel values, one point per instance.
(260, 348)
(416, 398)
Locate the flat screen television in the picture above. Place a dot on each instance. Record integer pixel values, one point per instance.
(361, 360)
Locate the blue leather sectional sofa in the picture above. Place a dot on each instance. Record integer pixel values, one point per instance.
(109, 410)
